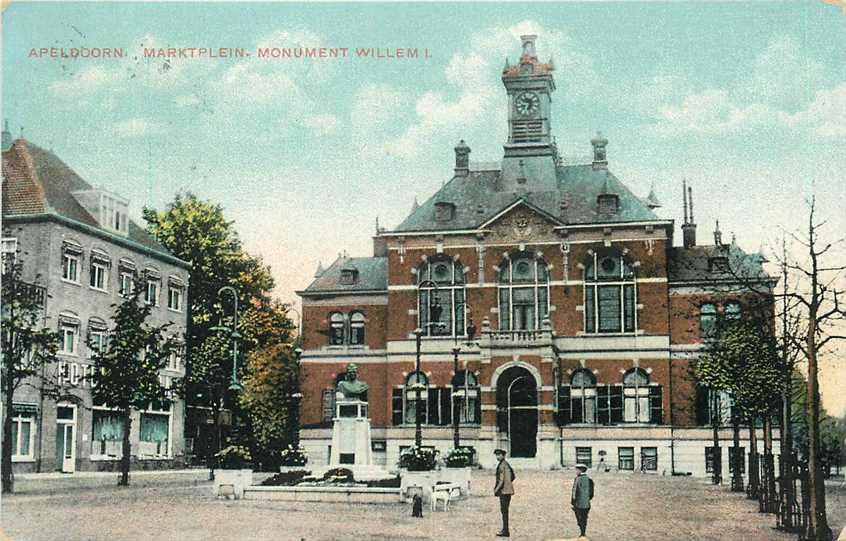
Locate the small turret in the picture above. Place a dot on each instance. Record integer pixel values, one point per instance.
(600, 160)
(462, 159)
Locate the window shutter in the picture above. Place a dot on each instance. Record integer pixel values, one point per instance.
(589, 312)
(564, 413)
(603, 404)
(446, 406)
(396, 406)
(615, 393)
(655, 405)
(433, 400)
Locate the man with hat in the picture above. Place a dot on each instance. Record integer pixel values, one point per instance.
(581, 497)
(504, 488)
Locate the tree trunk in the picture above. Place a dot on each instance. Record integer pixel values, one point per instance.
(769, 465)
(736, 456)
(717, 457)
(212, 460)
(752, 491)
(8, 477)
(818, 529)
(124, 459)
(786, 463)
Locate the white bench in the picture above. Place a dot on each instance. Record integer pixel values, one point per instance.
(444, 492)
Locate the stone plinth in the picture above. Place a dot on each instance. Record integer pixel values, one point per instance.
(351, 434)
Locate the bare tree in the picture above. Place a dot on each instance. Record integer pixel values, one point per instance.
(819, 297)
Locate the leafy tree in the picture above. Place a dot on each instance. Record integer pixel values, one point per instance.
(744, 362)
(26, 346)
(197, 231)
(126, 371)
(270, 384)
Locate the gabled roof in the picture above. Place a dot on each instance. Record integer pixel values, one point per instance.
(477, 200)
(695, 264)
(37, 182)
(372, 276)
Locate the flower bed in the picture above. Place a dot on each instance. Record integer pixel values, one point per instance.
(418, 459)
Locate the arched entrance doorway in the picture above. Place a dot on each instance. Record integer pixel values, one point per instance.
(517, 410)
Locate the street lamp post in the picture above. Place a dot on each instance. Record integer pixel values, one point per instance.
(471, 331)
(296, 398)
(433, 314)
(235, 385)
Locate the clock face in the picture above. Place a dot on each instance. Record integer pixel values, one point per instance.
(527, 103)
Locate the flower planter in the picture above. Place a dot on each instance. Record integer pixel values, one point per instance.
(421, 479)
(237, 479)
(459, 476)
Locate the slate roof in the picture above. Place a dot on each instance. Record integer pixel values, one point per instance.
(693, 264)
(477, 199)
(372, 276)
(36, 181)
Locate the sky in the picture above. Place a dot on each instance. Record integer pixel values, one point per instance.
(747, 101)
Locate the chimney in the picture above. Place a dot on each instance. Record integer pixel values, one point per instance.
(689, 226)
(462, 159)
(599, 158)
(7, 136)
(718, 236)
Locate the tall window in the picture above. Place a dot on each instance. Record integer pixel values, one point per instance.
(708, 319)
(357, 329)
(636, 396)
(414, 379)
(649, 458)
(523, 292)
(174, 297)
(69, 334)
(465, 397)
(154, 434)
(70, 266)
(441, 309)
(152, 294)
(126, 277)
(8, 249)
(625, 458)
(336, 329)
(583, 397)
(610, 295)
(107, 433)
(23, 433)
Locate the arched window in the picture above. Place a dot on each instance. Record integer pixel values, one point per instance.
(583, 397)
(523, 292)
(732, 311)
(357, 329)
(336, 329)
(636, 396)
(412, 383)
(708, 319)
(610, 294)
(440, 297)
(465, 397)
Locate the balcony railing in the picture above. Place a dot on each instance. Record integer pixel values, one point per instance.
(523, 337)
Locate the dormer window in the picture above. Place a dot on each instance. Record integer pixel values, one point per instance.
(444, 211)
(114, 214)
(718, 264)
(608, 203)
(349, 276)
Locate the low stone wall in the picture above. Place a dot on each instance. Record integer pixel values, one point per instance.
(324, 494)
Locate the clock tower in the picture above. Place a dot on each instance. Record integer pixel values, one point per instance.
(529, 152)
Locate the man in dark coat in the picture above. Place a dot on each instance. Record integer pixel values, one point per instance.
(504, 489)
(581, 497)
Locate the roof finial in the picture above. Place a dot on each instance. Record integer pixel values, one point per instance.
(718, 236)
(529, 45)
(651, 199)
(377, 225)
(319, 270)
(415, 205)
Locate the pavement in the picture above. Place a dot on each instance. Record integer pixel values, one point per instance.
(177, 506)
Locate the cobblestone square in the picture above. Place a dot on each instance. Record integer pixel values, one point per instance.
(181, 508)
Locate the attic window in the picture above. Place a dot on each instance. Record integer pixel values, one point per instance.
(608, 203)
(114, 214)
(349, 276)
(444, 211)
(718, 263)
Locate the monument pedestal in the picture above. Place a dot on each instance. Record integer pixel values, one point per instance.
(351, 434)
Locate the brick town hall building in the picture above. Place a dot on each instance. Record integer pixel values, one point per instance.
(586, 316)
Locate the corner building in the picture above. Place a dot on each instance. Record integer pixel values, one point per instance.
(574, 316)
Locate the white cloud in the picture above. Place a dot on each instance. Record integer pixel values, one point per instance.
(781, 76)
(244, 84)
(826, 115)
(84, 82)
(187, 100)
(470, 102)
(712, 112)
(322, 124)
(136, 127)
